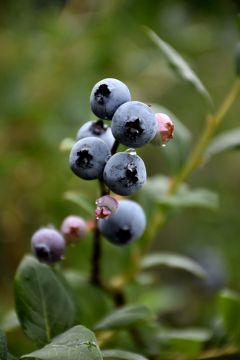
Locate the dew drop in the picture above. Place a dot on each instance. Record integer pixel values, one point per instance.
(131, 151)
(164, 145)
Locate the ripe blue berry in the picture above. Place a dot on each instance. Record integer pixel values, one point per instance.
(48, 245)
(134, 124)
(106, 96)
(97, 129)
(88, 158)
(126, 225)
(74, 228)
(124, 173)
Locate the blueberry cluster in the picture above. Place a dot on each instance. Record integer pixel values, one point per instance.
(133, 124)
(94, 156)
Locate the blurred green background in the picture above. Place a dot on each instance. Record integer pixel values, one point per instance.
(51, 56)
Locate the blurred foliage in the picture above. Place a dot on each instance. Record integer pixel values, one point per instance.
(53, 52)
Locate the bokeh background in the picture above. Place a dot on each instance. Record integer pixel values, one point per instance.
(52, 53)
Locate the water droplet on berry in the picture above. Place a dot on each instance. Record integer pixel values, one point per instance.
(131, 151)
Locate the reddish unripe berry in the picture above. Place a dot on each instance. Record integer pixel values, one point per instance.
(74, 228)
(165, 128)
(106, 206)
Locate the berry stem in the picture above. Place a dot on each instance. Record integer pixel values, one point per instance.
(213, 122)
(96, 257)
(115, 147)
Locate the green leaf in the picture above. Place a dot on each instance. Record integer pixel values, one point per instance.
(176, 150)
(80, 200)
(226, 141)
(67, 144)
(121, 354)
(157, 188)
(125, 317)
(11, 357)
(74, 344)
(43, 305)
(179, 65)
(229, 307)
(3, 347)
(188, 341)
(174, 261)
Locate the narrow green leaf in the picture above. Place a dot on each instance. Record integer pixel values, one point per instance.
(3, 347)
(223, 142)
(188, 341)
(74, 344)
(43, 305)
(80, 200)
(67, 144)
(229, 307)
(121, 354)
(124, 317)
(174, 261)
(157, 188)
(179, 65)
(193, 334)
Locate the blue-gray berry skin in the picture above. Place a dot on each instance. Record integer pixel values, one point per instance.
(134, 124)
(97, 129)
(48, 245)
(126, 225)
(106, 96)
(88, 158)
(124, 173)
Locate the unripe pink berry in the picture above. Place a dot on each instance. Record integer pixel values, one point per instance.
(165, 128)
(106, 206)
(74, 228)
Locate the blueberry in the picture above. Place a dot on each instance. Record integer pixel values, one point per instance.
(48, 245)
(106, 96)
(134, 124)
(124, 173)
(126, 225)
(88, 158)
(97, 129)
(74, 228)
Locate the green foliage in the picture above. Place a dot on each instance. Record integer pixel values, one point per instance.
(229, 308)
(76, 343)
(44, 307)
(179, 65)
(125, 317)
(80, 200)
(139, 309)
(229, 140)
(174, 261)
(157, 188)
(120, 354)
(91, 303)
